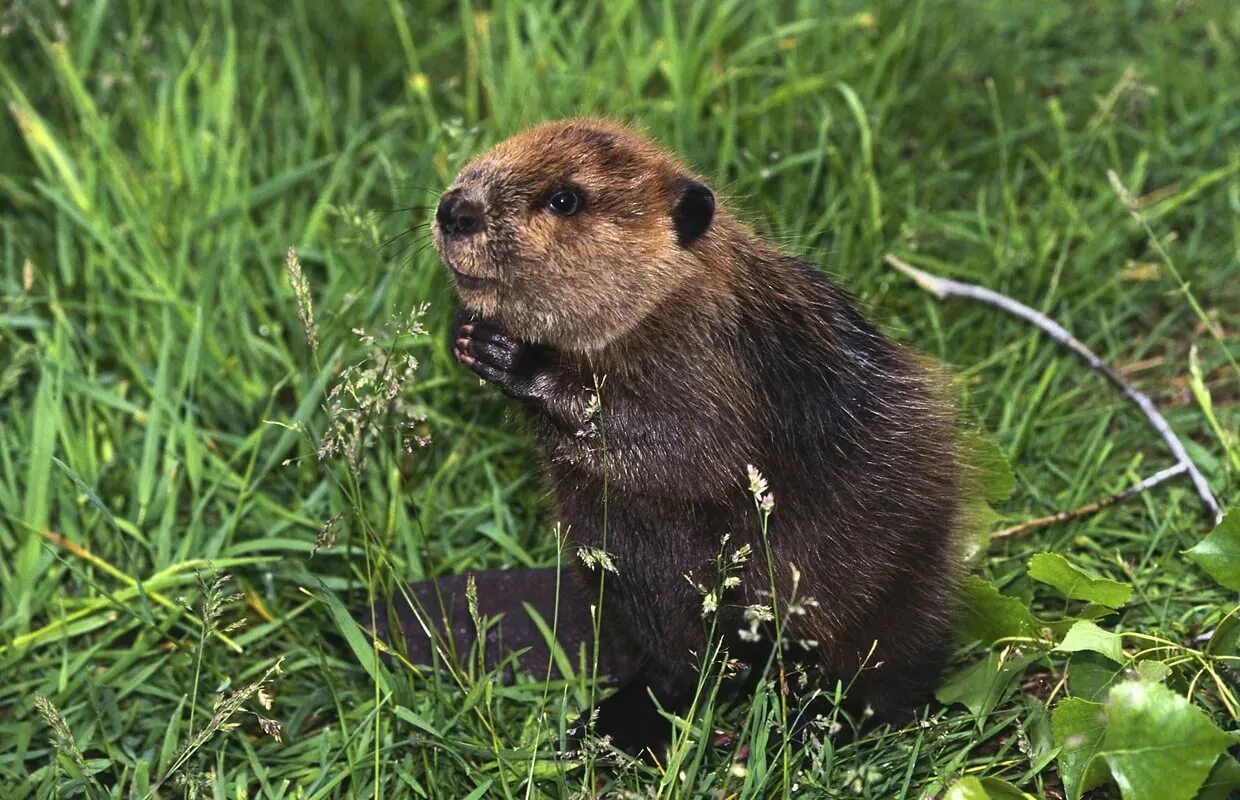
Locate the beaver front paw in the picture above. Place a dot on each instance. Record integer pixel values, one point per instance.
(496, 357)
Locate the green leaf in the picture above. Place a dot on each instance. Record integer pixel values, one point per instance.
(263, 193)
(984, 685)
(1075, 584)
(141, 781)
(476, 693)
(1226, 638)
(1224, 780)
(977, 521)
(966, 789)
(1093, 611)
(480, 791)
(562, 661)
(1154, 671)
(1085, 635)
(1158, 745)
(986, 477)
(357, 639)
(987, 468)
(984, 789)
(1219, 553)
(1079, 727)
(1197, 382)
(417, 721)
(1091, 676)
(987, 615)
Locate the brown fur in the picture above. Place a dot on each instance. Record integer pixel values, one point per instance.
(578, 283)
(712, 352)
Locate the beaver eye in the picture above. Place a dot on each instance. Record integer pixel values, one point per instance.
(564, 203)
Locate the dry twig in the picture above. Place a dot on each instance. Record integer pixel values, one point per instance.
(945, 287)
(1090, 508)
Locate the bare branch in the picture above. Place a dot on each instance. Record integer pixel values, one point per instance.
(945, 287)
(1091, 508)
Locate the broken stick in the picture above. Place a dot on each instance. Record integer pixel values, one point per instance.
(945, 287)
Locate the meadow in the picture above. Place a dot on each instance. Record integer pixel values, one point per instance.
(188, 524)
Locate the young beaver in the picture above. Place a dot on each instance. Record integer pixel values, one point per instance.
(589, 260)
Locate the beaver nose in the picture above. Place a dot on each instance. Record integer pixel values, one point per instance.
(458, 216)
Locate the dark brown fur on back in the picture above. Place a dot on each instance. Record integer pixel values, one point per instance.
(710, 353)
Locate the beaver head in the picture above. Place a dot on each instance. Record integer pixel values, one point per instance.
(573, 232)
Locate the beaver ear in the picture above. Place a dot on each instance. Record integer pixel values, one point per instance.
(693, 207)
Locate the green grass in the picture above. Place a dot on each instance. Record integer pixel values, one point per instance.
(159, 406)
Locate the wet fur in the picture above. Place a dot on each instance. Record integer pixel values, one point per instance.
(710, 355)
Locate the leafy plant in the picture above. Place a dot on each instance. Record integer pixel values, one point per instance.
(161, 407)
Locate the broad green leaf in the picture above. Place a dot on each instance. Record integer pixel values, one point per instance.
(1224, 780)
(986, 478)
(984, 789)
(966, 789)
(1219, 553)
(977, 521)
(1158, 745)
(1093, 611)
(1225, 640)
(1079, 727)
(1085, 635)
(1091, 676)
(987, 615)
(1076, 584)
(987, 468)
(984, 685)
(1154, 671)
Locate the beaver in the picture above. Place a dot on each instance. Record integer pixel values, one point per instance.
(673, 366)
